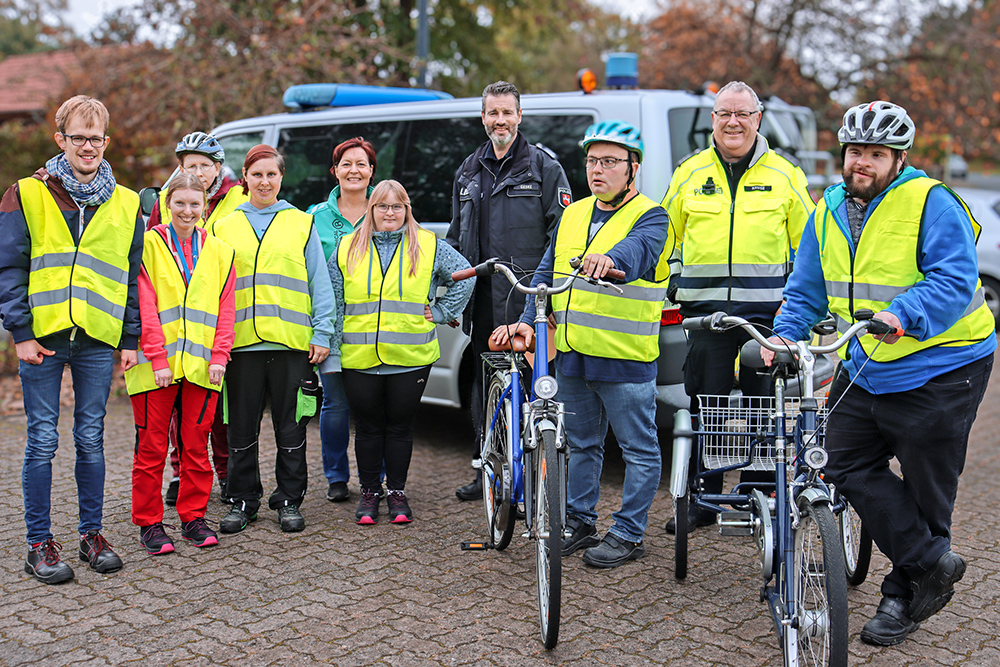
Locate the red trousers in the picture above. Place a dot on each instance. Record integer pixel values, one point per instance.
(195, 414)
(219, 440)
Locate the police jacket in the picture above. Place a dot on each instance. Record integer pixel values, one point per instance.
(525, 205)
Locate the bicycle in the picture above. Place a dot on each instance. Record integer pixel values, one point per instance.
(800, 542)
(525, 454)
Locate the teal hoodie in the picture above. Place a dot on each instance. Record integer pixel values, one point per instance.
(330, 224)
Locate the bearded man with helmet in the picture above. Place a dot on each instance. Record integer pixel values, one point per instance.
(903, 246)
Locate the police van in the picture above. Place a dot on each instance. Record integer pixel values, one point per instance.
(421, 137)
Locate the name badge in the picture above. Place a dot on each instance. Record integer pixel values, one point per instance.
(756, 188)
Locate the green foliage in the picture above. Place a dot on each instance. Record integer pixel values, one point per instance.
(30, 146)
(30, 26)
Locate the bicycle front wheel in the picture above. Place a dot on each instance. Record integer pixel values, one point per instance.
(818, 632)
(857, 545)
(498, 463)
(550, 498)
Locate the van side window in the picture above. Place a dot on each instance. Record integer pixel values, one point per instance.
(237, 146)
(690, 131)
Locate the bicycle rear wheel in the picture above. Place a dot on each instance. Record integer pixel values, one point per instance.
(681, 536)
(857, 543)
(550, 473)
(818, 633)
(498, 463)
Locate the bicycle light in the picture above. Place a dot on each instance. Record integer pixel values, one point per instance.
(816, 458)
(546, 387)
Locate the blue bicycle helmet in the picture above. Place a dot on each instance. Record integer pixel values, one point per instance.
(614, 132)
(201, 144)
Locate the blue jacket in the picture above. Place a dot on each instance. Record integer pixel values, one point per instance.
(946, 257)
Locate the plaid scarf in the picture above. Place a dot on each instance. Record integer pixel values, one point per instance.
(94, 193)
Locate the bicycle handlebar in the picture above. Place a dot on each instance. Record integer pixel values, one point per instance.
(491, 266)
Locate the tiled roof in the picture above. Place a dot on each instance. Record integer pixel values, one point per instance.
(30, 82)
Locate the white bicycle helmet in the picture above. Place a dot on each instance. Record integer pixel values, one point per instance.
(201, 144)
(878, 122)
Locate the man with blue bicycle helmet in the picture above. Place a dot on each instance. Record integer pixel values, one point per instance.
(896, 243)
(607, 343)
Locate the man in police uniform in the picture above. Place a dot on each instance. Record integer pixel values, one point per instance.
(890, 240)
(506, 200)
(606, 364)
(737, 209)
(69, 266)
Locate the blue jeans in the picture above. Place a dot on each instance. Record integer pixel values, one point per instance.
(335, 428)
(630, 407)
(91, 364)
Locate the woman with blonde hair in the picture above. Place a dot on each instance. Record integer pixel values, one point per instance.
(385, 283)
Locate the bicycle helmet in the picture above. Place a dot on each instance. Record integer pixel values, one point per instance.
(878, 122)
(202, 144)
(614, 132)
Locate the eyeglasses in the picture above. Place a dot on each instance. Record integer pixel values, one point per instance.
(606, 162)
(80, 140)
(725, 114)
(200, 168)
(396, 208)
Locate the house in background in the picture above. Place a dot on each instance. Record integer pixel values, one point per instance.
(32, 82)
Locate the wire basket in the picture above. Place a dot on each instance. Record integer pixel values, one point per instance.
(739, 431)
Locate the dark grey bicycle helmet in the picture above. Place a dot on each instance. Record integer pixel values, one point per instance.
(878, 122)
(201, 144)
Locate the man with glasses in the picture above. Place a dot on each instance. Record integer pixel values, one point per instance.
(506, 200)
(738, 210)
(69, 268)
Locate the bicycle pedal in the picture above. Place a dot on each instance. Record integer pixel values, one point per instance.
(735, 523)
(476, 546)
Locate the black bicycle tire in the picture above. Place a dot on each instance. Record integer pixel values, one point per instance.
(681, 506)
(548, 552)
(858, 571)
(499, 527)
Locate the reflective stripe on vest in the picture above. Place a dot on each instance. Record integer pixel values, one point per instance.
(188, 313)
(272, 285)
(598, 321)
(86, 285)
(884, 266)
(233, 198)
(384, 319)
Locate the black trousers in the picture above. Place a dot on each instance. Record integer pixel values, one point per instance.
(482, 327)
(384, 408)
(252, 377)
(708, 369)
(927, 430)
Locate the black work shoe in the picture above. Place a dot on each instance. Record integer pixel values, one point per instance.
(367, 513)
(578, 535)
(933, 589)
(96, 551)
(171, 496)
(696, 519)
(890, 625)
(337, 493)
(236, 520)
(224, 491)
(44, 564)
(290, 519)
(613, 551)
(473, 490)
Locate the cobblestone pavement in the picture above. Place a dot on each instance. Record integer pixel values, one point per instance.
(407, 595)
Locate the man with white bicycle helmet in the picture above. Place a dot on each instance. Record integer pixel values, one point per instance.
(903, 246)
(607, 343)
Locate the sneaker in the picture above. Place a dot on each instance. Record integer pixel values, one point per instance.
(171, 496)
(236, 520)
(890, 625)
(613, 551)
(337, 493)
(44, 564)
(473, 490)
(933, 589)
(367, 513)
(290, 519)
(578, 535)
(198, 533)
(96, 551)
(398, 508)
(154, 540)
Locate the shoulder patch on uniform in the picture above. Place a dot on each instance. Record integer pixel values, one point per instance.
(565, 197)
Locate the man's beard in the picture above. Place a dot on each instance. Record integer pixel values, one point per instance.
(878, 185)
(503, 141)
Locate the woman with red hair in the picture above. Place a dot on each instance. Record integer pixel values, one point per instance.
(284, 320)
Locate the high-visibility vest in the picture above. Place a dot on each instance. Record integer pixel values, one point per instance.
(384, 319)
(189, 314)
(229, 202)
(272, 286)
(597, 321)
(885, 265)
(82, 286)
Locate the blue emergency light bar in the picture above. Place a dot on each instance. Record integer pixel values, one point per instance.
(312, 95)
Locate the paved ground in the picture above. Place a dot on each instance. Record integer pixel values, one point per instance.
(407, 596)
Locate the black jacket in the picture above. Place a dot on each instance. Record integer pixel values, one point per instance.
(526, 204)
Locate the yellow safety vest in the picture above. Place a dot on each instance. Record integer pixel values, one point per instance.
(87, 285)
(384, 319)
(597, 321)
(885, 265)
(229, 202)
(272, 286)
(188, 313)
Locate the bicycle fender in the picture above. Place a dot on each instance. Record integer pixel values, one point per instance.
(682, 454)
(814, 495)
